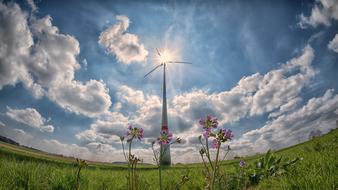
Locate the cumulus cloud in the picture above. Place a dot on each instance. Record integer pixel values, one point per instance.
(46, 66)
(107, 129)
(291, 105)
(145, 110)
(30, 117)
(333, 44)
(53, 60)
(145, 113)
(321, 14)
(90, 98)
(292, 128)
(16, 40)
(253, 95)
(125, 46)
(73, 150)
(32, 5)
(20, 131)
(92, 151)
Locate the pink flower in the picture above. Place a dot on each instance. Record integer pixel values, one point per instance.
(202, 122)
(206, 134)
(165, 137)
(215, 144)
(228, 134)
(242, 163)
(209, 122)
(140, 135)
(134, 133)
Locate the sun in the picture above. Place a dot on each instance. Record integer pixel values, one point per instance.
(165, 55)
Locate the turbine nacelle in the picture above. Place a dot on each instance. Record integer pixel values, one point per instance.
(164, 59)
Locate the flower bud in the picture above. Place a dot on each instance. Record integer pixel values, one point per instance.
(202, 151)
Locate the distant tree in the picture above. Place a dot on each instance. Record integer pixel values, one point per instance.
(315, 133)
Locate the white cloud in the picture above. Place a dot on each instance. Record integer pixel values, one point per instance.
(321, 14)
(56, 69)
(292, 128)
(32, 5)
(46, 64)
(91, 98)
(54, 146)
(85, 64)
(145, 113)
(20, 131)
(291, 105)
(333, 44)
(253, 95)
(53, 60)
(278, 87)
(30, 117)
(125, 46)
(16, 40)
(91, 151)
(107, 129)
(128, 95)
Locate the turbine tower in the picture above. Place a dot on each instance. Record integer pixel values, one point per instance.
(166, 159)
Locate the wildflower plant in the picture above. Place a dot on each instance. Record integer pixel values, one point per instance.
(241, 175)
(165, 138)
(132, 160)
(215, 137)
(80, 164)
(267, 166)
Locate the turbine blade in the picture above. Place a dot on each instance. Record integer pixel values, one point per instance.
(158, 52)
(181, 62)
(152, 70)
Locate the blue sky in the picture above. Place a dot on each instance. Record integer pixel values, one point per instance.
(72, 72)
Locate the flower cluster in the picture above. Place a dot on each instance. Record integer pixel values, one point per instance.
(215, 136)
(242, 163)
(225, 135)
(165, 137)
(134, 132)
(208, 123)
(221, 136)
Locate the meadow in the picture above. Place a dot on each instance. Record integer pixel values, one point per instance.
(23, 168)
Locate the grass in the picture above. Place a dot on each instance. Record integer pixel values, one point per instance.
(23, 168)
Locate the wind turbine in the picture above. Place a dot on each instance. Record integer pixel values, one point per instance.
(164, 60)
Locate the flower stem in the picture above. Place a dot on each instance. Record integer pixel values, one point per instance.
(208, 153)
(129, 170)
(124, 153)
(77, 178)
(205, 165)
(216, 166)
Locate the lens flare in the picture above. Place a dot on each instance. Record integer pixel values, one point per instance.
(165, 55)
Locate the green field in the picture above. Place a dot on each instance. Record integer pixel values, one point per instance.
(23, 168)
